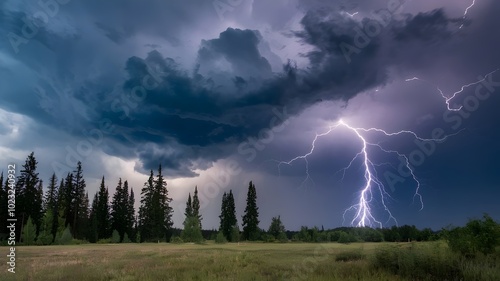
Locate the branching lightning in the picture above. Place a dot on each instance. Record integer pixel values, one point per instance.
(449, 99)
(373, 188)
(467, 10)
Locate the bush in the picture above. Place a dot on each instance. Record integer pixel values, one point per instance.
(220, 239)
(346, 238)
(350, 256)
(192, 230)
(126, 239)
(478, 236)
(176, 240)
(268, 238)
(104, 241)
(282, 237)
(66, 238)
(115, 237)
(419, 262)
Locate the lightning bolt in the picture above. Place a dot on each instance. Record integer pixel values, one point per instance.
(373, 188)
(451, 97)
(353, 14)
(467, 10)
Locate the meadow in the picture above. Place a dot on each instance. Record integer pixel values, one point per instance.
(249, 261)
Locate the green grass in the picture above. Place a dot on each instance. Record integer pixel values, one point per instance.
(244, 261)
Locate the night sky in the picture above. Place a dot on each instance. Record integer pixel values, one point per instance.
(219, 92)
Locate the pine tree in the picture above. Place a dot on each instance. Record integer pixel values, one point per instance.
(146, 210)
(196, 206)
(120, 209)
(92, 231)
(68, 201)
(131, 215)
(251, 217)
(162, 210)
(102, 212)
(231, 220)
(79, 205)
(189, 207)
(50, 199)
(29, 195)
(29, 232)
(222, 217)
(192, 229)
(155, 213)
(46, 237)
(61, 211)
(228, 215)
(51, 203)
(83, 217)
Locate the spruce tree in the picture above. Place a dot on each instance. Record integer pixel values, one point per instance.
(222, 217)
(189, 207)
(68, 201)
(196, 206)
(92, 230)
(79, 206)
(251, 217)
(228, 215)
(155, 213)
(45, 237)
(131, 215)
(102, 212)
(117, 215)
(51, 203)
(146, 218)
(29, 232)
(231, 220)
(192, 230)
(161, 208)
(29, 196)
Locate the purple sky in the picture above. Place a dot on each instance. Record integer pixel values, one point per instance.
(188, 84)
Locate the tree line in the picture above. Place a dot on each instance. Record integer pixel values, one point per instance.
(63, 215)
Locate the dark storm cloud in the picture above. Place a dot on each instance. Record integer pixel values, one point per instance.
(240, 49)
(190, 110)
(188, 114)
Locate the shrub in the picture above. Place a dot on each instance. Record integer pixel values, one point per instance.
(220, 239)
(282, 237)
(126, 239)
(419, 262)
(477, 236)
(176, 240)
(115, 237)
(104, 241)
(346, 238)
(192, 230)
(65, 238)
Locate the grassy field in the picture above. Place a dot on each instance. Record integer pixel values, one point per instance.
(244, 261)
